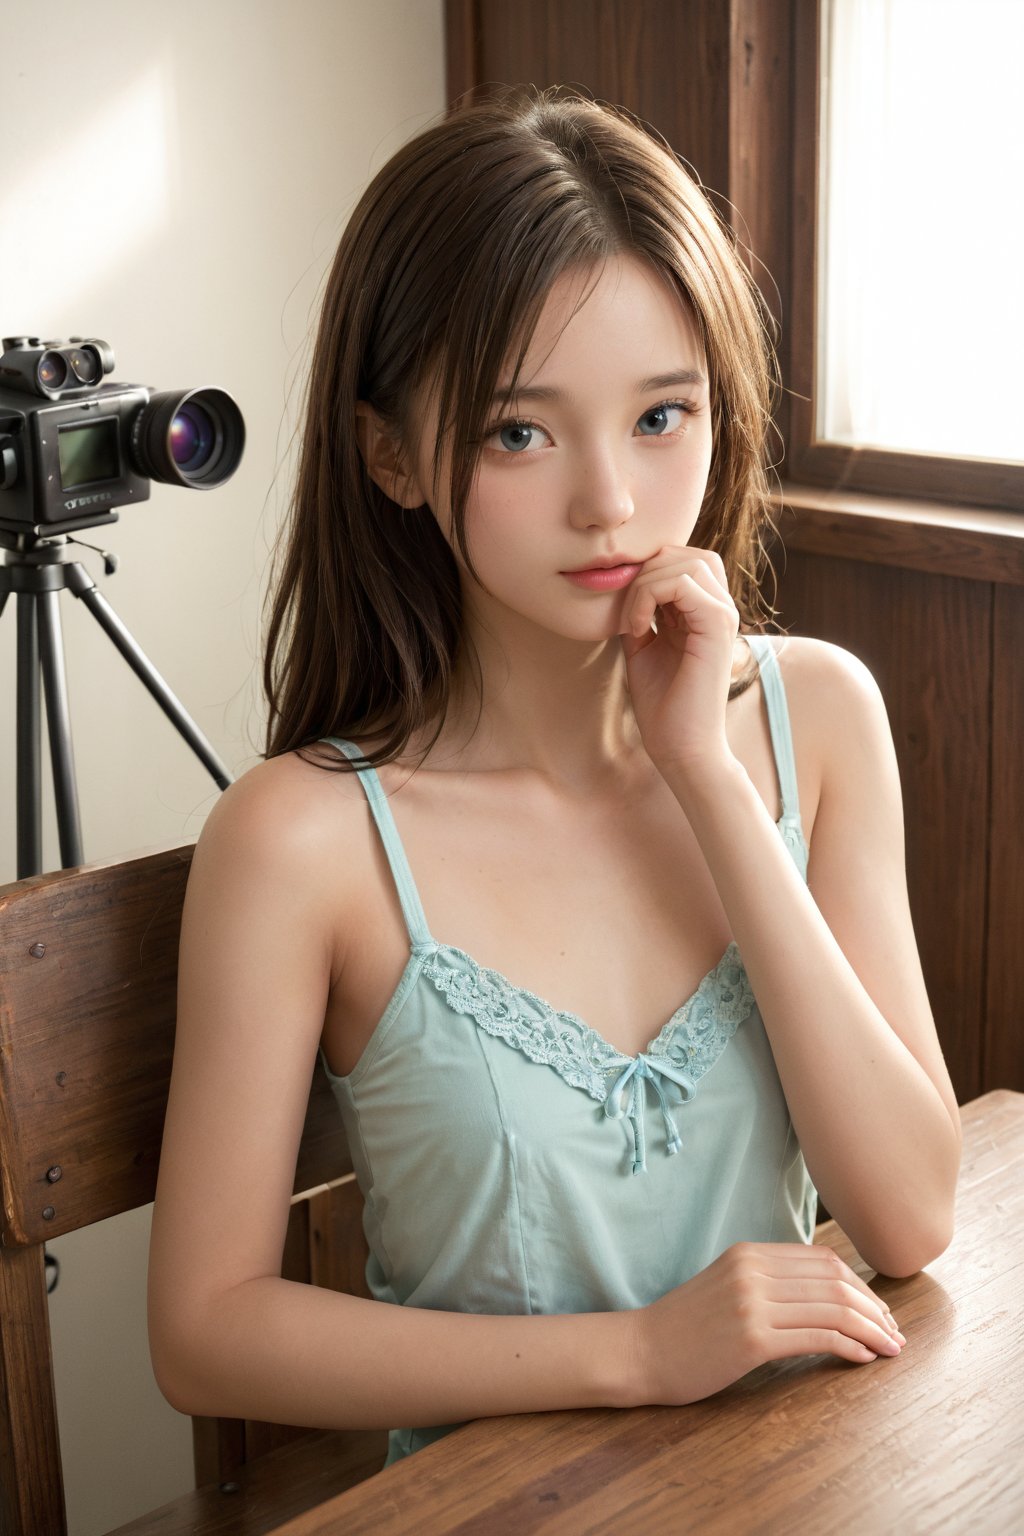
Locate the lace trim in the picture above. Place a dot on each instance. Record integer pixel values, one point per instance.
(694, 1038)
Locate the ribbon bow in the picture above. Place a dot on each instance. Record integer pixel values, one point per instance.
(650, 1069)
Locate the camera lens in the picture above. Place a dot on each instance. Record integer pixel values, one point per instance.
(189, 437)
(85, 365)
(193, 436)
(52, 370)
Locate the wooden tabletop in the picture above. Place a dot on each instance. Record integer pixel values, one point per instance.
(929, 1442)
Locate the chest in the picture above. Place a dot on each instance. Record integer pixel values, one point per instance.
(604, 907)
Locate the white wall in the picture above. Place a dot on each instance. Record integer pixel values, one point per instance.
(174, 180)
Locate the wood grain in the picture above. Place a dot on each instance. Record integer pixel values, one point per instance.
(84, 1082)
(88, 963)
(31, 1500)
(461, 45)
(1003, 1037)
(972, 543)
(714, 78)
(669, 64)
(932, 1441)
(759, 146)
(928, 642)
(266, 1493)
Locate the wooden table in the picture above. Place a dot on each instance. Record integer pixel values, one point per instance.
(930, 1442)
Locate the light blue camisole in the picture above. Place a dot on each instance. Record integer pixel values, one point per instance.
(512, 1161)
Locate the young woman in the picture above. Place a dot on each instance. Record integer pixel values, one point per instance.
(590, 892)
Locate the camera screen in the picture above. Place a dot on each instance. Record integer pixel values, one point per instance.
(88, 453)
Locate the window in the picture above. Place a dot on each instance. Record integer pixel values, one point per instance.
(909, 162)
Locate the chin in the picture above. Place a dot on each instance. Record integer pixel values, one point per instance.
(586, 631)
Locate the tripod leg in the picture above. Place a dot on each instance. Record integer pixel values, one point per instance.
(30, 816)
(78, 581)
(58, 720)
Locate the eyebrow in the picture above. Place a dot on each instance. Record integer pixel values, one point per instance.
(678, 377)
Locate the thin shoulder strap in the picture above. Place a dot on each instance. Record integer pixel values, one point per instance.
(412, 908)
(778, 723)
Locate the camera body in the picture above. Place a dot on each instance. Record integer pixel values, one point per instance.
(65, 466)
(74, 449)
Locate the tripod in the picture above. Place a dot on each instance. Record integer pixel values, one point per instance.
(37, 570)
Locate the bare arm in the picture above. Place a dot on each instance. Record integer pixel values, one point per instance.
(835, 969)
(266, 901)
(270, 901)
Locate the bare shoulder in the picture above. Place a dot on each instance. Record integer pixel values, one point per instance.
(288, 822)
(807, 661)
(839, 716)
(829, 690)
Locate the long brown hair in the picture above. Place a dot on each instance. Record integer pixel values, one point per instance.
(444, 265)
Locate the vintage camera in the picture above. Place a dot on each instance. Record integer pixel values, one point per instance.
(82, 448)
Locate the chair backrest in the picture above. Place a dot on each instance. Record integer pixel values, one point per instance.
(88, 971)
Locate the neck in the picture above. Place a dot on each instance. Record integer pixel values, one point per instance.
(556, 707)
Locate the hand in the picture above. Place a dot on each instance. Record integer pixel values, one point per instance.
(679, 674)
(758, 1302)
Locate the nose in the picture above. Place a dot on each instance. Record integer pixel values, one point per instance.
(602, 496)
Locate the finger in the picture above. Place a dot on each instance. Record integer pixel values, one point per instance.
(815, 1275)
(699, 576)
(710, 572)
(708, 564)
(782, 1343)
(704, 565)
(814, 1259)
(837, 1291)
(851, 1320)
(697, 603)
(684, 593)
(829, 1264)
(686, 558)
(707, 570)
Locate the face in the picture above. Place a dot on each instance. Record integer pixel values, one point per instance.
(598, 463)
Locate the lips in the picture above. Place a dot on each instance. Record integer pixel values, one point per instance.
(606, 563)
(604, 578)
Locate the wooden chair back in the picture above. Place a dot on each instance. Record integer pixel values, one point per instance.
(88, 972)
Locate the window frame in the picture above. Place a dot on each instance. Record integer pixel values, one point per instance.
(811, 460)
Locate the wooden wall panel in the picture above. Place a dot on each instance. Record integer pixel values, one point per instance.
(1003, 1045)
(713, 76)
(618, 52)
(760, 129)
(927, 641)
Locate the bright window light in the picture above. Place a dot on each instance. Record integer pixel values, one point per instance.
(920, 309)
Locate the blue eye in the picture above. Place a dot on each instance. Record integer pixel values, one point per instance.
(516, 436)
(661, 419)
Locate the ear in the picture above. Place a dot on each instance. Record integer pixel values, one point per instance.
(387, 462)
